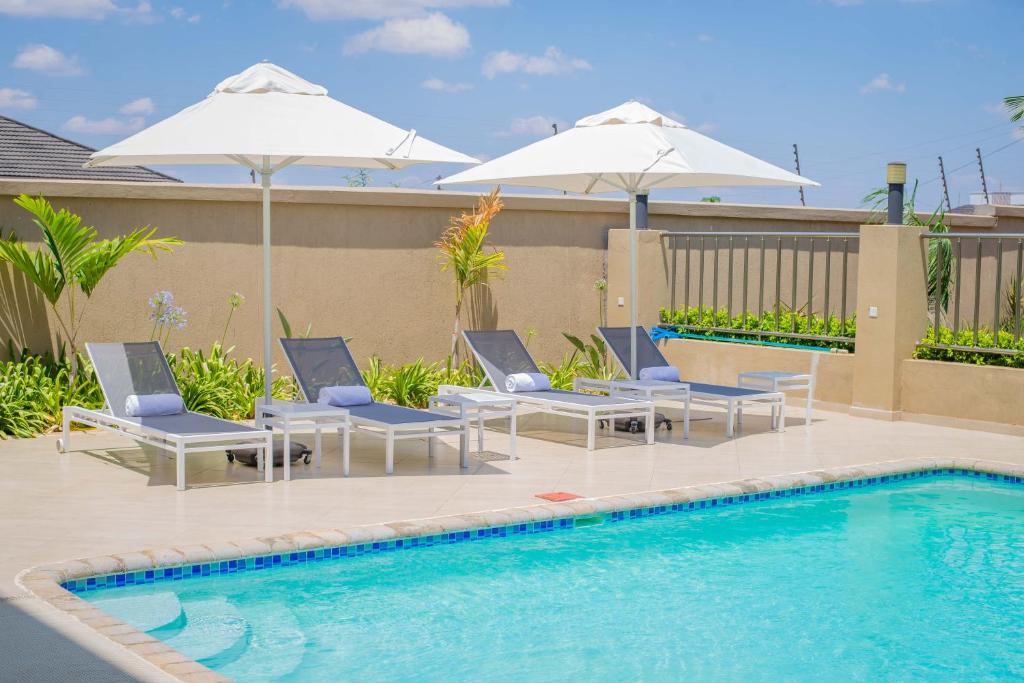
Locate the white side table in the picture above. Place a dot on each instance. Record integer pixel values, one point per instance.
(770, 380)
(288, 416)
(477, 405)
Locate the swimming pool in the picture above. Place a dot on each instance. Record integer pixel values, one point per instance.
(917, 579)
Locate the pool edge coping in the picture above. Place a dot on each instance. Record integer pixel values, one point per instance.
(45, 581)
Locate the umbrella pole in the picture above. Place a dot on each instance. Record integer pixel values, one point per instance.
(632, 285)
(265, 175)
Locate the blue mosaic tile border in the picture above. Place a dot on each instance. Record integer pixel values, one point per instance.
(303, 556)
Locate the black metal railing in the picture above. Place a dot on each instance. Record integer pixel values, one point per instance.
(762, 274)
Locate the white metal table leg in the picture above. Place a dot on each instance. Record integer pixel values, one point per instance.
(389, 451)
(650, 425)
(344, 434)
(782, 414)
(430, 442)
(179, 465)
(739, 416)
(65, 433)
(512, 433)
(729, 418)
(810, 401)
(317, 446)
(480, 435)
(286, 447)
(591, 428)
(686, 418)
(464, 437)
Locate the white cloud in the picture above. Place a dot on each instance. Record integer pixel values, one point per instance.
(434, 34)
(551, 63)
(107, 126)
(881, 83)
(46, 59)
(64, 9)
(379, 9)
(707, 127)
(142, 12)
(445, 86)
(1017, 133)
(12, 98)
(140, 107)
(705, 38)
(532, 126)
(181, 14)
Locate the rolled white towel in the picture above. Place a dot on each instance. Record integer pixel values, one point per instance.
(527, 381)
(152, 405)
(342, 397)
(661, 373)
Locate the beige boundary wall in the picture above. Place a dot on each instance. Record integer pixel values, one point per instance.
(721, 362)
(980, 396)
(358, 262)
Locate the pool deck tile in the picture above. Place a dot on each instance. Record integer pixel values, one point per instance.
(116, 502)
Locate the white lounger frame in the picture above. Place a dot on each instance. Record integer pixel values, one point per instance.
(733, 404)
(592, 414)
(429, 430)
(179, 444)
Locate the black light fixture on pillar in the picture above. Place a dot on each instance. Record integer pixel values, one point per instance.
(896, 176)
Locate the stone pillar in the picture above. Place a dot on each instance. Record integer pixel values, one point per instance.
(652, 283)
(892, 314)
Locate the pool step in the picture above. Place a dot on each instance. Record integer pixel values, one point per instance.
(276, 644)
(148, 612)
(214, 634)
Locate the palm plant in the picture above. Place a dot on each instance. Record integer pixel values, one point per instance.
(1015, 103)
(71, 261)
(464, 253)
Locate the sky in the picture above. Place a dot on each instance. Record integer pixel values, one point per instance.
(855, 83)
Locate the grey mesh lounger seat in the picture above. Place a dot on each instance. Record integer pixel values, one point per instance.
(648, 355)
(141, 369)
(502, 353)
(327, 362)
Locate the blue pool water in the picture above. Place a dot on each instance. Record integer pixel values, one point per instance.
(916, 580)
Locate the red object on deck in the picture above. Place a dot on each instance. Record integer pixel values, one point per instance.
(557, 496)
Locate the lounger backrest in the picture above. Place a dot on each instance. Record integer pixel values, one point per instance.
(648, 355)
(501, 353)
(319, 363)
(138, 368)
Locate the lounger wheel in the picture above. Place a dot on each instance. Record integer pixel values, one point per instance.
(231, 458)
(308, 458)
(668, 425)
(60, 445)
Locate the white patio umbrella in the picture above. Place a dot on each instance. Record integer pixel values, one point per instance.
(267, 118)
(630, 148)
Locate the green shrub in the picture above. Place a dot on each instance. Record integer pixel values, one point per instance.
(218, 384)
(414, 383)
(1001, 340)
(748, 324)
(34, 390)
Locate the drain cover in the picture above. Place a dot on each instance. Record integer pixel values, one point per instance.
(557, 496)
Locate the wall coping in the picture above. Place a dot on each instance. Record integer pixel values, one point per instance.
(402, 197)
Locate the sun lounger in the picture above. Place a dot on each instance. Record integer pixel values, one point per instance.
(649, 356)
(141, 369)
(327, 362)
(502, 353)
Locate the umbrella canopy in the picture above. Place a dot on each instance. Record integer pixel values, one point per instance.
(267, 113)
(267, 118)
(629, 148)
